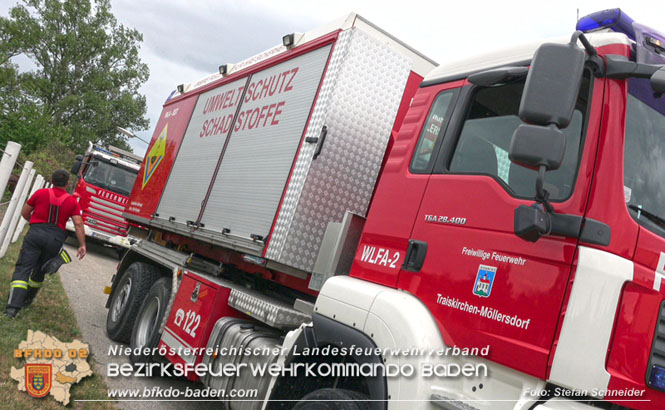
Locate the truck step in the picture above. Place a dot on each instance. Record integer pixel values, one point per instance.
(449, 404)
(174, 258)
(265, 309)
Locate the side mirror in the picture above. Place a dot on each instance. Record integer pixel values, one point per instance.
(658, 81)
(77, 166)
(534, 145)
(547, 106)
(552, 85)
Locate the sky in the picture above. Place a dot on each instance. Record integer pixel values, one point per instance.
(185, 40)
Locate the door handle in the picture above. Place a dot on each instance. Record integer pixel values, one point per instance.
(415, 256)
(320, 140)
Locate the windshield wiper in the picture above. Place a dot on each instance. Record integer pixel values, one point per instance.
(649, 215)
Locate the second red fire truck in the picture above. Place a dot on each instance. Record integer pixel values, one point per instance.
(105, 177)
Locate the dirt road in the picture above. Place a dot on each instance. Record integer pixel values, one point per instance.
(84, 283)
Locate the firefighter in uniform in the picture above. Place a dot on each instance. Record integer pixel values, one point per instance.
(47, 211)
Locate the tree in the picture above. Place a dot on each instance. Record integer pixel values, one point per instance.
(87, 75)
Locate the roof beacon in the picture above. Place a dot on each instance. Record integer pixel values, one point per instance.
(650, 44)
(614, 19)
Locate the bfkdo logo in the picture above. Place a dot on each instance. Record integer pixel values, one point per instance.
(51, 366)
(38, 379)
(484, 281)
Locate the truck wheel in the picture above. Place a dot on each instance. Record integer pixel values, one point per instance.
(334, 399)
(146, 329)
(127, 298)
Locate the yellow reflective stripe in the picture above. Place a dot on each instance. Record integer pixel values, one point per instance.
(19, 284)
(65, 257)
(34, 284)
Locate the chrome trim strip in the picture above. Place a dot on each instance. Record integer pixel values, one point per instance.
(101, 213)
(102, 224)
(120, 207)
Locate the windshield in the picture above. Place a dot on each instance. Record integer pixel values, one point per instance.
(644, 159)
(111, 177)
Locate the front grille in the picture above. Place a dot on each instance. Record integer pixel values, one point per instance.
(117, 206)
(107, 212)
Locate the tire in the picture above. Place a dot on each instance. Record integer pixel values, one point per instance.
(334, 399)
(146, 332)
(127, 298)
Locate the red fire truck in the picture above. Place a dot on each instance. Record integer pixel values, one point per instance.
(105, 177)
(494, 229)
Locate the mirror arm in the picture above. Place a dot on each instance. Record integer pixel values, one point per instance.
(542, 195)
(594, 61)
(620, 68)
(578, 35)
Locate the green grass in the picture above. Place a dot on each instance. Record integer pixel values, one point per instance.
(51, 314)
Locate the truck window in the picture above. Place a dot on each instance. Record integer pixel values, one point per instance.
(482, 147)
(110, 177)
(430, 134)
(643, 169)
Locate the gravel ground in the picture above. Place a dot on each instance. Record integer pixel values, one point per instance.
(84, 283)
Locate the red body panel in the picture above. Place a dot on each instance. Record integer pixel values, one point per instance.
(537, 287)
(148, 189)
(532, 288)
(637, 319)
(390, 217)
(629, 352)
(198, 305)
(607, 202)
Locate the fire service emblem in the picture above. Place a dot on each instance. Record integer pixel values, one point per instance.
(38, 379)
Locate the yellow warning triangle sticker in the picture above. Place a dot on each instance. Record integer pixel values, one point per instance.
(155, 156)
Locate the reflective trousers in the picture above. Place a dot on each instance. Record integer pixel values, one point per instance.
(41, 243)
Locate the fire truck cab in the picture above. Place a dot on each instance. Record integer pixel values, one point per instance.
(553, 261)
(105, 178)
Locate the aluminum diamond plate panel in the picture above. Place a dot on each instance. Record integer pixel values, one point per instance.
(360, 116)
(272, 313)
(304, 160)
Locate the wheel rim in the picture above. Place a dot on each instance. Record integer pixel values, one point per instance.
(121, 300)
(147, 322)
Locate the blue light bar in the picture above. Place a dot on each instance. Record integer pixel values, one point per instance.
(657, 378)
(614, 19)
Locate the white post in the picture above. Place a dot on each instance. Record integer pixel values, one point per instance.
(11, 208)
(17, 211)
(7, 164)
(39, 182)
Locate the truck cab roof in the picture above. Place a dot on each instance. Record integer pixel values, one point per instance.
(518, 55)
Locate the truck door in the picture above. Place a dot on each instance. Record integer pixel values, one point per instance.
(482, 283)
(396, 201)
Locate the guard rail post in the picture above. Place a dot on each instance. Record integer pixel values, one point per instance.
(6, 220)
(39, 181)
(7, 162)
